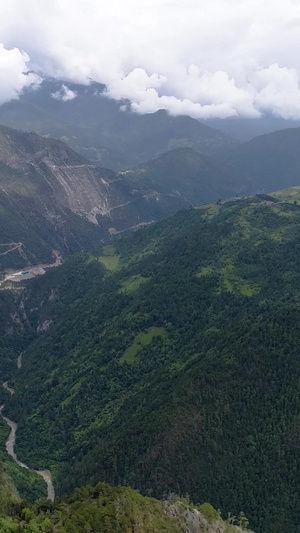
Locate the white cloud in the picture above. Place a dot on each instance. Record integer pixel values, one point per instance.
(14, 73)
(64, 93)
(207, 59)
(278, 91)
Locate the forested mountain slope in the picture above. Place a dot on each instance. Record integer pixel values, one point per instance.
(96, 127)
(8, 492)
(198, 178)
(169, 361)
(55, 202)
(270, 161)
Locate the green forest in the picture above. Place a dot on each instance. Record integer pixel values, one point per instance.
(170, 361)
(106, 509)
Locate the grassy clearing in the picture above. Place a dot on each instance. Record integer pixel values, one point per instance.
(73, 391)
(132, 284)
(210, 210)
(290, 195)
(235, 284)
(109, 259)
(284, 210)
(245, 227)
(212, 330)
(205, 271)
(249, 231)
(142, 339)
(53, 374)
(230, 281)
(278, 235)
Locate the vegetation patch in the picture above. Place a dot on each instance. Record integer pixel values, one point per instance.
(74, 390)
(108, 257)
(132, 284)
(291, 194)
(233, 283)
(106, 509)
(53, 376)
(209, 512)
(210, 210)
(212, 330)
(230, 281)
(142, 339)
(204, 271)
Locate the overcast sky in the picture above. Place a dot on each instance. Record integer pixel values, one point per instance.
(204, 58)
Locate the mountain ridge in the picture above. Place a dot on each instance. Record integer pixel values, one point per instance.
(54, 201)
(95, 126)
(271, 161)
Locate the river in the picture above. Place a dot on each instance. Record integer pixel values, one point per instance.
(10, 448)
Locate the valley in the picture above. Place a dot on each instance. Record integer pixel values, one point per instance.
(10, 445)
(150, 355)
(149, 266)
(163, 361)
(54, 201)
(14, 276)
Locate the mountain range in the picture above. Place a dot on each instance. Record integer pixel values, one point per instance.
(54, 201)
(165, 358)
(94, 125)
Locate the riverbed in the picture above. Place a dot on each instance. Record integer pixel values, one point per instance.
(10, 448)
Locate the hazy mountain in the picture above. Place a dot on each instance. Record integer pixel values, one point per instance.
(53, 200)
(95, 126)
(245, 129)
(271, 161)
(169, 361)
(198, 178)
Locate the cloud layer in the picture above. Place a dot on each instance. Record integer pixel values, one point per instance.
(204, 58)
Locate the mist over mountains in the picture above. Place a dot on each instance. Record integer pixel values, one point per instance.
(96, 127)
(70, 203)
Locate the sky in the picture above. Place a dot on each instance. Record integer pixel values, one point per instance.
(203, 58)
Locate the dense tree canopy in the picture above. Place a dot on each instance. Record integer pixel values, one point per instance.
(171, 363)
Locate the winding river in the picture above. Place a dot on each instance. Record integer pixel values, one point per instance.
(10, 448)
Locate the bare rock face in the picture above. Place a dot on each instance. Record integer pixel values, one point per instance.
(194, 521)
(51, 198)
(44, 326)
(48, 167)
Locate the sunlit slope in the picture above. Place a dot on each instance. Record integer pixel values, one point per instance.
(106, 509)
